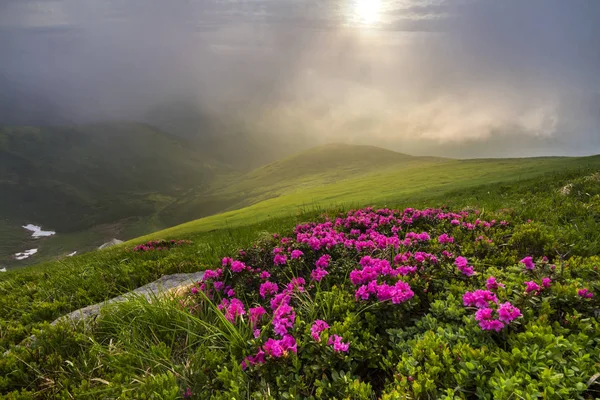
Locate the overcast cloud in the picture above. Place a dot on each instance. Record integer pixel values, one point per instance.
(460, 78)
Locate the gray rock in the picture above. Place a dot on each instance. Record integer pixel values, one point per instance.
(110, 243)
(166, 284)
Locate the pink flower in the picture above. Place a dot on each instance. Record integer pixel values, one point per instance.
(316, 329)
(585, 293)
(445, 239)
(323, 261)
(318, 274)
(296, 254)
(461, 262)
(268, 288)
(532, 287)
(491, 325)
(280, 348)
(237, 266)
(233, 308)
(492, 284)
(338, 345)
(484, 314)
(280, 259)
(528, 262)
(479, 298)
(546, 282)
(256, 314)
(194, 290)
(230, 293)
(226, 261)
(265, 275)
(455, 222)
(507, 312)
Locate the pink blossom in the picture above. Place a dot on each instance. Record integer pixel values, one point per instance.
(280, 259)
(528, 262)
(507, 312)
(323, 261)
(443, 239)
(237, 266)
(194, 290)
(546, 282)
(492, 325)
(532, 287)
(484, 314)
(461, 262)
(265, 275)
(338, 345)
(268, 288)
(492, 284)
(256, 314)
(296, 254)
(226, 261)
(233, 308)
(318, 274)
(585, 293)
(316, 329)
(479, 298)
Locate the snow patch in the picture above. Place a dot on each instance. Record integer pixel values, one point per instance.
(37, 231)
(71, 254)
(25, 254)
(3, 269)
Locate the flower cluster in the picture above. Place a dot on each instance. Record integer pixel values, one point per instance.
(160, 245)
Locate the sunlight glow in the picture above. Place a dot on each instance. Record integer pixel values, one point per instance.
(367, 12)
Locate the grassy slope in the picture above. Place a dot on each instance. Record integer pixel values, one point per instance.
(410, 181)
(41, 293)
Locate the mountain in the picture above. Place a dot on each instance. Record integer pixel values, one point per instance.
(73, 178)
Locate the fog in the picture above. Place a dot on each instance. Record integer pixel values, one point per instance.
(454, 78)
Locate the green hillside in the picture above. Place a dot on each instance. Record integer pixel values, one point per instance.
(410, 179)
(308, 169)
(71, 179)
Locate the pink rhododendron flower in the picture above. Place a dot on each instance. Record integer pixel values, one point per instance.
(283, 319)
(279, 348)
(316, 329)
(532, 287)
(443, 239)
(484, 314)
(585, 293)
(318, 274)
(546, 282)
(492, 284)
(230, 293)
(507, 312)
(528, 262)
(237, 266)
(461, 262)
(479, 298)
(226, 261)
(323, 261)
(280, 259)
(296, 283)
(233, 308)
(194, 290)
(265, 275)
(268, 288)
(256, 314)
(296, 254)
(338, 345)
(492, 325)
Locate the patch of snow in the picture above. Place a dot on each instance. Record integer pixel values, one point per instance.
(37, 231)
(3, 269)
(25, 254)
(71, 254)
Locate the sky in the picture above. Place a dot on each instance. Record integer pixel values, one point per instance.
(457, 78)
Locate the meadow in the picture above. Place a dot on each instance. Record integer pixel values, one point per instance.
(428, 345)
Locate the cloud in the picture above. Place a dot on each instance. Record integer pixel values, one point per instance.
(431, 76)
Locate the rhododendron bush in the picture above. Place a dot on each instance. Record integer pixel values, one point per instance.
(403, 304)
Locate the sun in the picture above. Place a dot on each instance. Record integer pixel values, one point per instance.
(367, 12)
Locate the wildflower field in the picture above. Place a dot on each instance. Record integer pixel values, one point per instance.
(490, 293)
